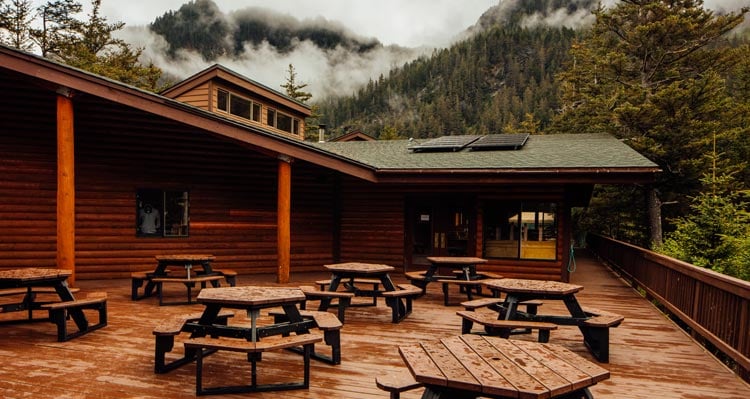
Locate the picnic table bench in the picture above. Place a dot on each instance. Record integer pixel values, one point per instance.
(503, 328)
(394, 383)
(188, 282)
(60, 313)
(324, 321)
(253, 349)
(165, 333)
(343, 299)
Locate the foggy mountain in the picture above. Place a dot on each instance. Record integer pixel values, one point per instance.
(200, 26)
(329, 57)
(261, 44)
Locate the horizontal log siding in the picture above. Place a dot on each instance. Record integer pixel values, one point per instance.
(372, 223)
(232, 192)
(28, 180)
(197, 97)
(312, 217)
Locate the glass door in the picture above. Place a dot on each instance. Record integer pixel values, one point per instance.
(438, 228)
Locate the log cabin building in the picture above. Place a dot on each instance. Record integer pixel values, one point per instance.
(99, 177)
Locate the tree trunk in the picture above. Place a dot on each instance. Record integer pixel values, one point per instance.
(654, 216)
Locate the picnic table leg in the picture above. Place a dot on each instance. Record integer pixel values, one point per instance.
(332, 286)
(399, 309)
(64, 293)
(511, 306)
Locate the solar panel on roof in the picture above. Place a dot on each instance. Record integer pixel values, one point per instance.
(500, 142)
(445, 143)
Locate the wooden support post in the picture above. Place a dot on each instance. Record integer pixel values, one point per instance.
(283, 217)
(65, 184)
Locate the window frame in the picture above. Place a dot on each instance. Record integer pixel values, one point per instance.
(163, 223)
(515, 239)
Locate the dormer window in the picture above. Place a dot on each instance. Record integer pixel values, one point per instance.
(237, 105)
(282, 121)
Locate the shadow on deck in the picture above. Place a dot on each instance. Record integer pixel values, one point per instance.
(650, 357)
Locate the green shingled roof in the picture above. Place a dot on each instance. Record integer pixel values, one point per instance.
(540, 152)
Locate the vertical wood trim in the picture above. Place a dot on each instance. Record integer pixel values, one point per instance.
(564, 234)
(65, 186)
(337, 204)
(284, 219)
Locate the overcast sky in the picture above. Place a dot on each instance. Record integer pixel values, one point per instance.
(419, 25)
(404, 22)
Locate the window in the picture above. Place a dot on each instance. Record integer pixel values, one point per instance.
(222, 99)
(237, 105)
(240, 106)
(295, 126)
(520, 230)
(284, 122)
(162, 213)
(256, 112)
(271, 117)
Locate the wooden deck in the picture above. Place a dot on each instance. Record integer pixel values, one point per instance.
(650, 357)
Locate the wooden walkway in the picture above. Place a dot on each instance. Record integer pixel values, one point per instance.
(650, 357)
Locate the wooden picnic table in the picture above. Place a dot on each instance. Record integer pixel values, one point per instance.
(251, 299)
(28, 278)
(520, 290)
(350, 271)
(470, 366)
(257, 338)
(466, 264)
(57, 279)
(163, 262)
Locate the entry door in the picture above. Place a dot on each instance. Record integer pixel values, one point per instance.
(439, 228)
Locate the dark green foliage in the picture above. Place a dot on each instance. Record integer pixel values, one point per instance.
(653, 72)
(716, 233)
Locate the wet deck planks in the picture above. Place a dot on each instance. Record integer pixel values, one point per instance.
(650, 357)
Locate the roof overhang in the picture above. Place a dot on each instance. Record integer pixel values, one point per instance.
(62, 78)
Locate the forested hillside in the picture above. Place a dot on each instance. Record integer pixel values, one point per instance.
(487, 84)
(501, 78)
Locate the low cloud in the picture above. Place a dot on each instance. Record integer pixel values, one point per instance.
(338, 71)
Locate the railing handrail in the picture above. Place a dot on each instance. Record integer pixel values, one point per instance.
(694, 294)
(734, 285)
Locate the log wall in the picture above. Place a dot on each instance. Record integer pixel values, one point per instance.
(118, 151)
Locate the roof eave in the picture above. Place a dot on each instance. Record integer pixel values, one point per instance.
(624, 175)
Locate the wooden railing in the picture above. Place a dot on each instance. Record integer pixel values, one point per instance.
(714, 306)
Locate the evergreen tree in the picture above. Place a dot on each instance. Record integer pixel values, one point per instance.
(15, 22)
(716, 233)
(57, 26)
(651, 73)
(95, 49)
(294, 89)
